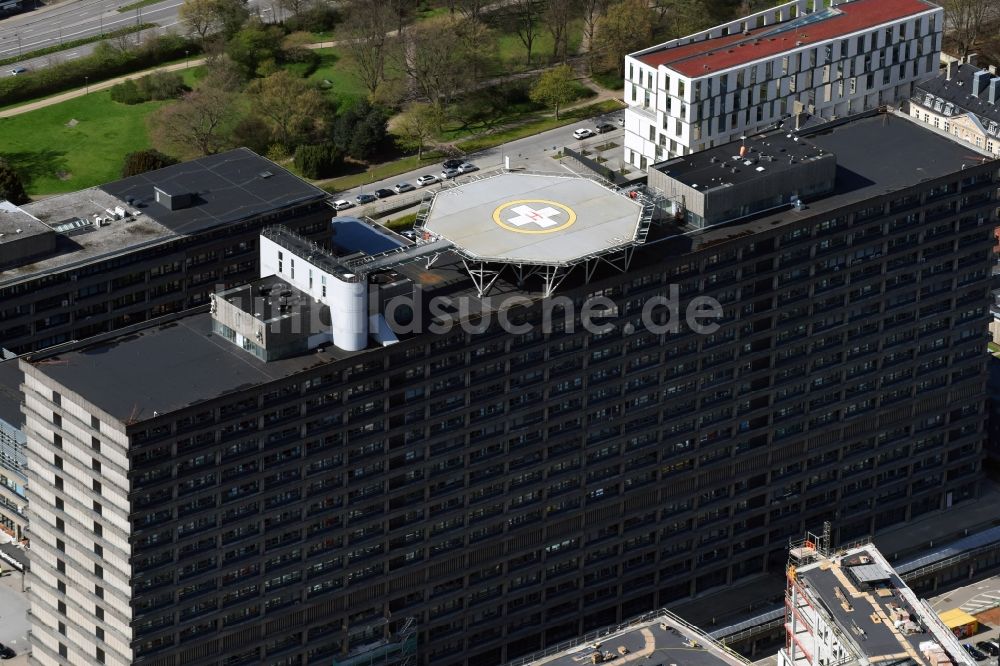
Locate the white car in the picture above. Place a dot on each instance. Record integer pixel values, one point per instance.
(342, 204)
(429, 179)
(583, 133)
(448, 174)
(467, 167)
(403, 187)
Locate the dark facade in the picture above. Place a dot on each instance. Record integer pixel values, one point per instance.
(511, 491)
(135, 280)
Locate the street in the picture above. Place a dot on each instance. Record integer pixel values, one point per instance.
(535, 153)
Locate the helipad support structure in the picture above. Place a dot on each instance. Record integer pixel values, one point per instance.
(536, 224)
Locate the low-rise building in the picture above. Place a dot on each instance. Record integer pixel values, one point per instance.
(963, 101)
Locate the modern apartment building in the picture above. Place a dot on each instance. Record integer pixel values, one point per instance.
(79, 264)
(308, 474)
(803, 59)
(961, 101)
(850, 607)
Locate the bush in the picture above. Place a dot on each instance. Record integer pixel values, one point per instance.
(105, 62)
(161, 85)
(142, 161)
(127, 92)
(361, 130)
(318, 160)
(11, 187)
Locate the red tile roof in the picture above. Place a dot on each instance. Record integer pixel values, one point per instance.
(714, 55)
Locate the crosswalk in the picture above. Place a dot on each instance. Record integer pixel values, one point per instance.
(982, 602)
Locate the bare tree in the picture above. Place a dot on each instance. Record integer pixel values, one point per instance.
(526, 15)
(593, 10)
(201, 119)
(292, 108)
(472, 9)
(626, 26)
(367, 26)
(294, 7)
(435, 59)
(967, 19)
(557, 16)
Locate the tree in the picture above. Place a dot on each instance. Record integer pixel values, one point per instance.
(368, 26)
(253, 45)
(557, 16)
(207, 17)
(360, 130)
(142, 161)
(625, 27)
(294, 7)
(289, 105)
(318, 161)
(526, 14)
(686, 17)
(201, 120)
(966, 20)
(11, 187)
(435, 59)
(554, 88)
(416, 125)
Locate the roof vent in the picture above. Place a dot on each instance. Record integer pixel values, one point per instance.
(265, 174)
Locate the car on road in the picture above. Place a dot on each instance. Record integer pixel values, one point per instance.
(403, 187)
(448, 174)
(365, 198)
(452, 163)
(429, 179)
(382, 193)
(973, 652)
(6, 652)
(989, 648)
(342, 204)
(467, 167)
(583, 133)
(18, 70)
(604, 128)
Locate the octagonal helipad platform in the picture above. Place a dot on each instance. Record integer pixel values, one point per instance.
(534, 219)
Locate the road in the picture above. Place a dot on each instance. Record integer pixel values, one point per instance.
(536, 152)
(75, 19)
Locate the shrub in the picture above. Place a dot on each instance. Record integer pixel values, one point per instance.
(11, 187)
(161, 85)
(142, 161)
(127, 92)
(321, 160)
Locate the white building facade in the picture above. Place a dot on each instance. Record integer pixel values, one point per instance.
(800, 57)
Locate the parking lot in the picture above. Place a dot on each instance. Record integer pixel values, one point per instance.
(977, 598)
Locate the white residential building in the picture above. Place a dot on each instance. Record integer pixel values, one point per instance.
(800, 57)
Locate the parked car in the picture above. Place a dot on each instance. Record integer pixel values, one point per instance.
(621, 121)
(452, 164)
(410, 233)
(448, 174)
(342, 204)
(467, 167)
(6, 652)
(403, 187)
(18, 70)
(989, 648)
(973, 652)
(365, 198)
(429, 179)
(604, 128)
(583, 133)
(382, 193)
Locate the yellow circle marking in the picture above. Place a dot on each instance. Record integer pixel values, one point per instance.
(570, 213)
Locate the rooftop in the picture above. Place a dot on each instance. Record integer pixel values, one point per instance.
(10, 392)
(709, 56)
(873, 609)
(533, 219)
(769, 154)
(272, 300)
(657, 639)
(226, 187)
(958, 92)
(15, 223)
(875, 155)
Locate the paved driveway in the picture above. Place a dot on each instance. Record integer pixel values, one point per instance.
(13, 613)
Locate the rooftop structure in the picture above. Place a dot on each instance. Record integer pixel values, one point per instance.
(963, 101)
(851, 607)
(799, 60)
(22, 235)
(659, 638)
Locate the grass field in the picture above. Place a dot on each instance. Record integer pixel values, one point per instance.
(343, 85)
(53, 157)
(512, 55)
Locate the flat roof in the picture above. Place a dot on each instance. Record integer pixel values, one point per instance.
(166, 367)
(662, 640)
(270, 299)
(227, 187)
(766, 155)
(533, 219)
(350, 234)
(875, 155)
(16, 223)
(709, 56)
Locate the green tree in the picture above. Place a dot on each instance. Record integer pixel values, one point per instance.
(318, 160)
(253, 45)
(142, 161)
(554, 88)
(11, 187)
(200, 123)
(416, 125)
(360, 130)
(293, 108)
(204, 18)
(627, 26)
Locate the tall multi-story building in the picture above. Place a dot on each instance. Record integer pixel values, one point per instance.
(962, 101)
(79, 264)
(850, 607)
(430, 441)
(802, 58)
(13, 503)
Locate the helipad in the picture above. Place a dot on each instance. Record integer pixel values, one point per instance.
(532, 219)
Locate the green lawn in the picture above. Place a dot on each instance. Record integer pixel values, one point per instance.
(334, 68)
(53, 157)
(513, 56)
